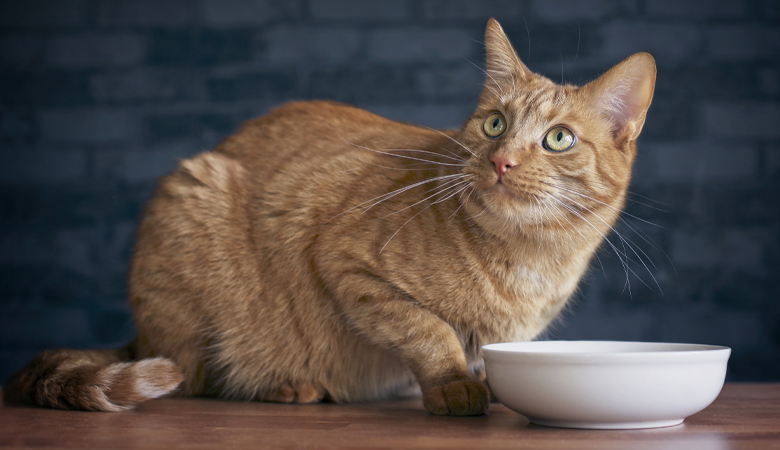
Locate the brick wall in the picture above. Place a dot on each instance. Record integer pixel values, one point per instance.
(100, 97)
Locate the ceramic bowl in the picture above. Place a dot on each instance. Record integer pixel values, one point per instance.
(603, 384)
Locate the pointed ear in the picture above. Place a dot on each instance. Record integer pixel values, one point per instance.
(624, 93)
(503, 64)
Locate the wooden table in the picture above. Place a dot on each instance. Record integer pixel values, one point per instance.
(745, 416)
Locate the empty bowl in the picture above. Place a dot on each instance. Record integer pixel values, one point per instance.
(605, 384)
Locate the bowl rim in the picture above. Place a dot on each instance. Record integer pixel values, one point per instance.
(667, 352)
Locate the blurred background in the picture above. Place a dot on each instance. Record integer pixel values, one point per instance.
(100, 97)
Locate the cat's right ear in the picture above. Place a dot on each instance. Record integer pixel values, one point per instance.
(624, 93)
(503, 65)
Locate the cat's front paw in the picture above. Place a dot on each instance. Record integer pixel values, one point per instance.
(457, 398)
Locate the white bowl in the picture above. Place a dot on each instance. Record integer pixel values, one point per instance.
(603, 384)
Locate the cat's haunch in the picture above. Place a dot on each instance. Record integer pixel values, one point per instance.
(324, 252)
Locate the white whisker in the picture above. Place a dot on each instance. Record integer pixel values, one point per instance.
(452, 139)
(403, 156)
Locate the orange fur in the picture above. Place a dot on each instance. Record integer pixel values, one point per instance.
(279, 267)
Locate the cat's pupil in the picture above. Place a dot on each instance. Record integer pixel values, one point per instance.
(560, 136)
(495, 123)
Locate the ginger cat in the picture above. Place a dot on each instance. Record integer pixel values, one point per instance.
(323, 252)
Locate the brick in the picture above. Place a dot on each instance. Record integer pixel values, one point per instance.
(670, 44)
(323, 46)
(378, 83)
(177, 126)
(357, 10)
(709, 81)
(24, 165)
(23, 52)
(200, 48)
(409, 46)
(61, 327)
(743, 43)
(94, 250)
(442, 116)
(670, 120)
(16, 127)
(750, 120)
(88, 126)
(50, 88)
(145, 165)
(42, 13)
(772, 161)
(148, 84)
(574, 10)
(697, 9)
(270, 85)
(741, 249)
(114, 246)
(449, 10)
(702, 161)
(769, 82)
(112, 13)
(25, 248)
(113, 327)
(551, 42)
(624, 325)
(74, 250)
(15, 358)
(770, 9)
(95, 50)
(739, 330)
(246, 13)
(463, 81)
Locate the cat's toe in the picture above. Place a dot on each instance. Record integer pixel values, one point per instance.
(309, 393)
(284, 394)
(457, 398)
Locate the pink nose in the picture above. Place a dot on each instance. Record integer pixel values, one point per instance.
(502, 164)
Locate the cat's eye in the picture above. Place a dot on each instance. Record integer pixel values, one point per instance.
(495, 125)
(559, 139)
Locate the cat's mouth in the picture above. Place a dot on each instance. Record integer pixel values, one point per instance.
(502, 190)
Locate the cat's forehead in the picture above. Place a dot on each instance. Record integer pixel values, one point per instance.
(538, 107)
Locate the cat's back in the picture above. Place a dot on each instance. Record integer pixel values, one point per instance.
(306, 134)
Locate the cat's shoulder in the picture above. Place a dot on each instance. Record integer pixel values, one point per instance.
(314, 113)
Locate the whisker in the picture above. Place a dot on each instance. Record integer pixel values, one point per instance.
(486, 73)
(625, 241)
(405, 157)
(439, 190)
(423, 151)
(460, 199)
(626, 268)
(406, 188)
(399, 228)
(593, 249)
(395, 192)
(647, 239)
(602, 203)
(457, 189)
(452, 139)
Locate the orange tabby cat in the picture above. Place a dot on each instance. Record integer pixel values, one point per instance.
(323, 252)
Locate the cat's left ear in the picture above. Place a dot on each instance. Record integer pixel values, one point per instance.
(624, 93)
(503, 64)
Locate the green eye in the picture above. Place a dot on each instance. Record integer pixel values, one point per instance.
(559, 139)
(495, 125)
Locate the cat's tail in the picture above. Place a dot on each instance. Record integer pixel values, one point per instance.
(94, 380)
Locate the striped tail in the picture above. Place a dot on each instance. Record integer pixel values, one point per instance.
(93, 380)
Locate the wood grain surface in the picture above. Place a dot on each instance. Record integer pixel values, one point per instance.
(745, 416)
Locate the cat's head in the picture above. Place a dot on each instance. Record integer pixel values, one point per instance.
(546, 154)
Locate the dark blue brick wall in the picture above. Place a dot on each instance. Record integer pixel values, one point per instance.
(100, 97)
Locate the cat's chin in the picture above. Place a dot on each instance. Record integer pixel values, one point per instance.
(502, 193)
(508, 206)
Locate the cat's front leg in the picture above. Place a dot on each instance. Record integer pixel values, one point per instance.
(427, 344)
